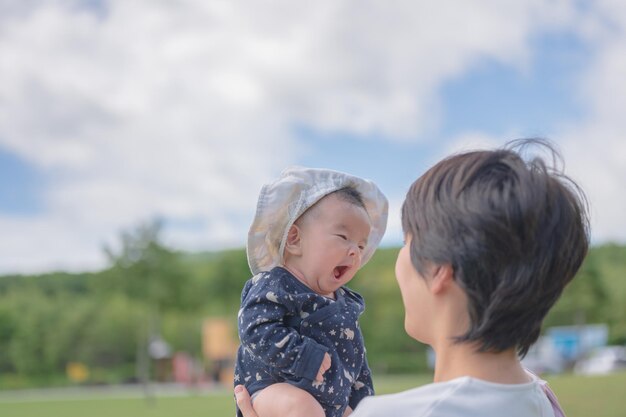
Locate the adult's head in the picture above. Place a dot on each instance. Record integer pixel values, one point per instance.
(513, 230)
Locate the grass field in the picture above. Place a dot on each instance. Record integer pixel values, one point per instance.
(602, 396)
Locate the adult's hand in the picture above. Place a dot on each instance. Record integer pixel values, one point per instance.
(244, 402)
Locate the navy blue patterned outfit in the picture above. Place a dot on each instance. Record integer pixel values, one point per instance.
(285, 328)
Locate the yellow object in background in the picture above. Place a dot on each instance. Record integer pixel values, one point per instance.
(218, 342)
(220, 346)
(77, 372)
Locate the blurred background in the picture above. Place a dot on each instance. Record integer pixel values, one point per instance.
(135, 136)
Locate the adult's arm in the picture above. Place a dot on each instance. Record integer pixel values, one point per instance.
(244, 403)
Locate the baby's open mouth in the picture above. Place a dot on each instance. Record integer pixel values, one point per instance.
(339, 271)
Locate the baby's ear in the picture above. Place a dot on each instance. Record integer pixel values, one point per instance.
(292, 245)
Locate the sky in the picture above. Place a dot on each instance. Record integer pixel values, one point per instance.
(114, 113)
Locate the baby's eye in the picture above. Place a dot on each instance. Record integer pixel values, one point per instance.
(344, 237)
(361, 247)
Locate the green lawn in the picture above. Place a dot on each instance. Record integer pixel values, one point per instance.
(579, 396)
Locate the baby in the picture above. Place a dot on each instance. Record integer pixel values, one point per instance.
(302, 352)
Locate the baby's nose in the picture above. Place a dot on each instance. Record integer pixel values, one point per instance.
(355, 251)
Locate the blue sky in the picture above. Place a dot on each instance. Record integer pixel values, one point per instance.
(107, 121)
(496, 98)
(20, 186)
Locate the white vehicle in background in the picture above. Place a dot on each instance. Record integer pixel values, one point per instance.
(544, 358)
(603, 360)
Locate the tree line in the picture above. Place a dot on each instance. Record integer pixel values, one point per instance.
(102, 319)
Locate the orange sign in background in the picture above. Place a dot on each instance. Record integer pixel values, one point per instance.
(219, 346)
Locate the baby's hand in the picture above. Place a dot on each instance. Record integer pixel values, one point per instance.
(325, 367)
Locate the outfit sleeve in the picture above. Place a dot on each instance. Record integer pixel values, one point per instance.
(264, 334)
(363, 385)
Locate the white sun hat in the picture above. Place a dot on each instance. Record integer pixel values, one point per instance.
(281, 202)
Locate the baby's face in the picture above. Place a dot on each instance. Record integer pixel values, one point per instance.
(333, 237)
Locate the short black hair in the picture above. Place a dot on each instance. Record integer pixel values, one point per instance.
(515, 232)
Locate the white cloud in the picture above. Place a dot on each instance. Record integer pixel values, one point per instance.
(594, 147)
(183, 109)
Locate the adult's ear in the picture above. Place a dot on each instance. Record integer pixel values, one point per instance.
(442, 278)
(293, 244)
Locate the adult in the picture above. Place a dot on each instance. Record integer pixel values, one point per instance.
(491, 240)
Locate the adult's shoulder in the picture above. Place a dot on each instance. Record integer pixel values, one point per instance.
(416, 402)
(464, 396)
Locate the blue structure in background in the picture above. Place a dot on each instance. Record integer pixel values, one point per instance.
(572, 342)
(561, 347)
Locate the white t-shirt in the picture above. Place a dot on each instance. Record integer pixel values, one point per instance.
(462, 397)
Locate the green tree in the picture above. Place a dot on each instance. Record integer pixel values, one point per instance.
(584, 300)
(29, 348)
(227, 279)
(113, 332)
(8, 328)
(145, 270)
